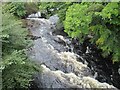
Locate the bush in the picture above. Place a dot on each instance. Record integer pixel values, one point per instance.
(100, 20)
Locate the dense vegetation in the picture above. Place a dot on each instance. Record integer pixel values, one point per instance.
(98, 21)
(17, 69)
(21, 9)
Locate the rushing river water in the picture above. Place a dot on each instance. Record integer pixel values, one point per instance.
(64, 65)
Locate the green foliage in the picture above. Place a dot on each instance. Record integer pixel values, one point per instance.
(15, 8)
(20, 9)
(59, 8)
(31, 7)
(77, 22)
(100, 21)
(17, 71)
(13, 35)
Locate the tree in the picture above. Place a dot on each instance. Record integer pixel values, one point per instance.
(101, 20)
(17, 69)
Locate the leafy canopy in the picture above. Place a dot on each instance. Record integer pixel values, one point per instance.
(100, 20)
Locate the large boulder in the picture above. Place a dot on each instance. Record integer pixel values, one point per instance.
(57, 25)
(54, 19)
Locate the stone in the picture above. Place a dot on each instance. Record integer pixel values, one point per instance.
(119, 71)
(60, 39)
(54, 19)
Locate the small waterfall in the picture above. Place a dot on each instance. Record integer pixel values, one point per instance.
(61, 67)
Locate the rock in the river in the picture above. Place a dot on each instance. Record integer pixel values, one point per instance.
(59, 79)
(57, 25)
(119, 71)
(70, 63)
(54, 19)
(60, 39)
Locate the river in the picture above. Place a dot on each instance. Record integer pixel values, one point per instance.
(62, 65)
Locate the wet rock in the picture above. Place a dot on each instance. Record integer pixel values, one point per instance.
(57, 26)
(35, 37)
(60, 39)
(54, 19)
(59, 79)
(55, 79)
(64, 61)
(35, 23)
(69, 60)
(119, 71)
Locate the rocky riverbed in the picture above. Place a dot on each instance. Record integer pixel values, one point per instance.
(61, 66)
